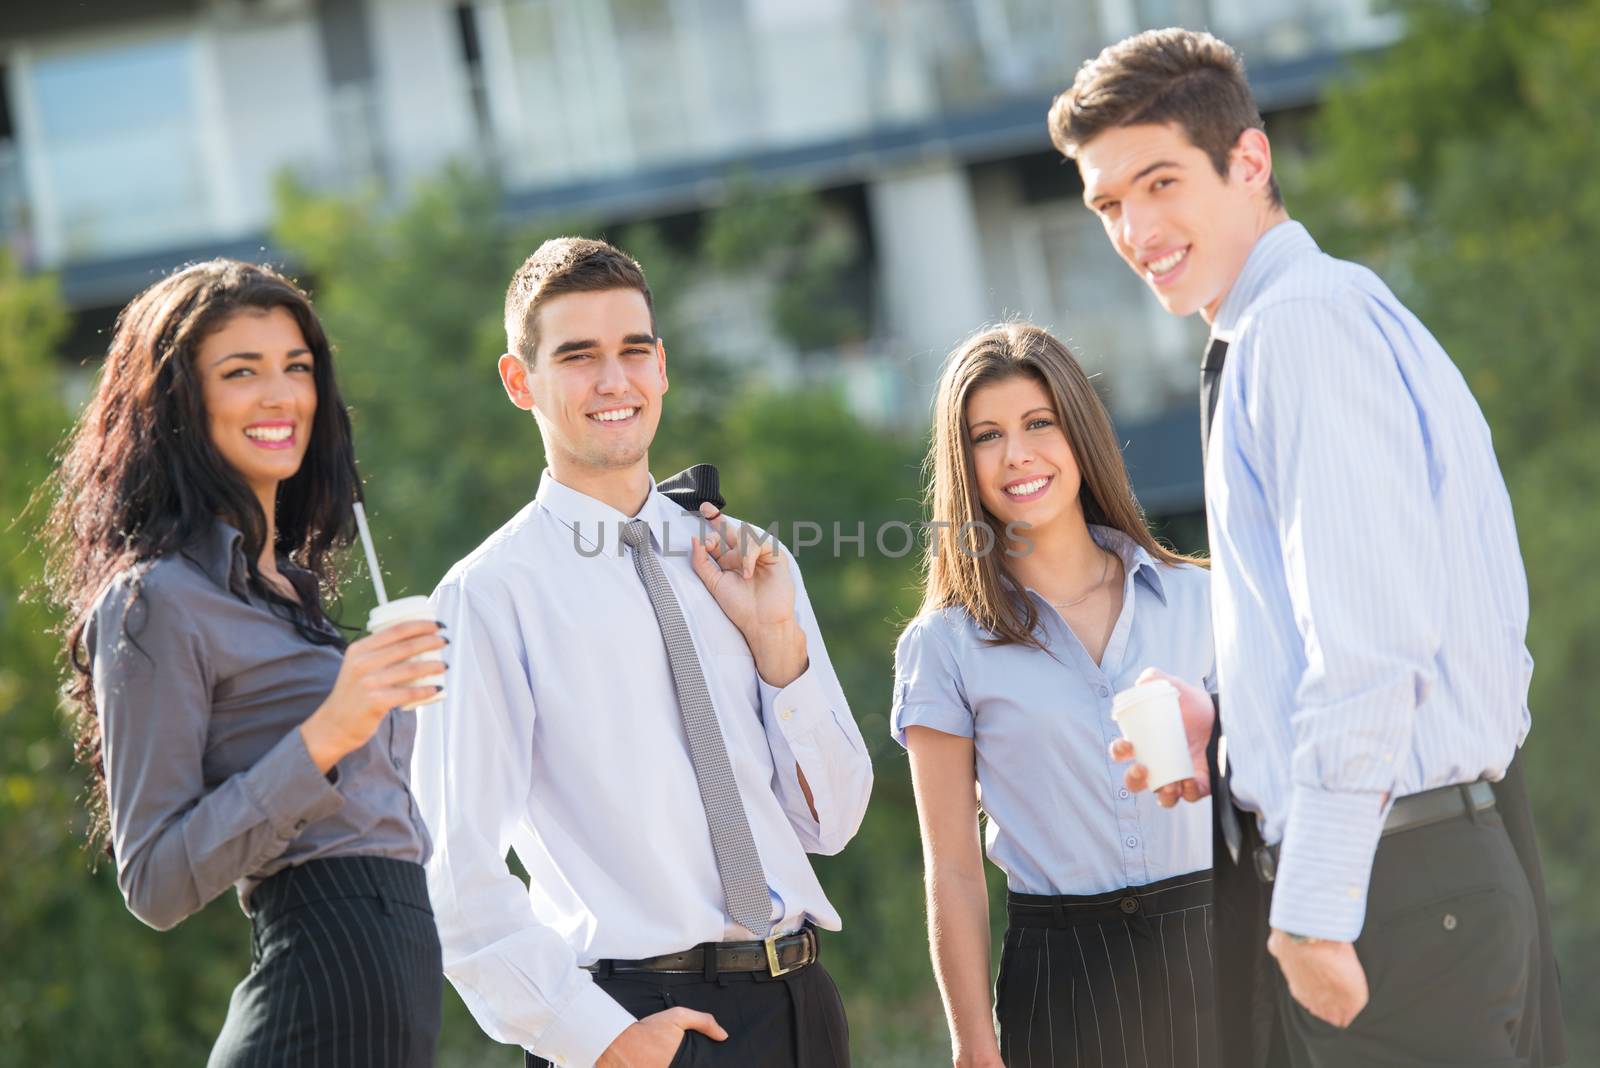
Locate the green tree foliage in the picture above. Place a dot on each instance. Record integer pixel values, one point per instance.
(814, 256)
(412, 298)
(1461, 164)
(80, 975)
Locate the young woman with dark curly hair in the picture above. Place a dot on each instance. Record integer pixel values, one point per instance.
(234, 737)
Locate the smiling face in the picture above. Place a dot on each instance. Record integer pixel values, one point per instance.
(256, 378)
(1021, 458)
(595, 385)
(1182, 227)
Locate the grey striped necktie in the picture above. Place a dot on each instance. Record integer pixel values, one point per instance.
(744, 884)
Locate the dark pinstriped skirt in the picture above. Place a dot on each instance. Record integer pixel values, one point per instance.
(345, 970)
(1118, 980)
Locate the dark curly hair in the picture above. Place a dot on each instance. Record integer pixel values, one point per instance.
(140, 477)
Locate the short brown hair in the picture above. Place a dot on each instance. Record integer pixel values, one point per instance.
(1156, 77)
(565, 265)
(960, 573)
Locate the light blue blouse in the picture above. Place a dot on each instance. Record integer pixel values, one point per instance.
(1059, 819)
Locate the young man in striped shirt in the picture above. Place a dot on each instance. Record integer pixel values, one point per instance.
(1378, 895)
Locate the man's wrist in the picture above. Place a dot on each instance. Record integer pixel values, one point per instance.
(780, 653)
(1281, 937)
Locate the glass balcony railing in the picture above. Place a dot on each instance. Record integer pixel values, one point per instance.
(131, 153)
(603, 87)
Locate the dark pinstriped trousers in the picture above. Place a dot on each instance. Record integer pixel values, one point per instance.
(1117, 980)
(345, 970)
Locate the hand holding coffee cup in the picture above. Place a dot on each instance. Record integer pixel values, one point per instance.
(1166, 724)
(412, 610)
(400, 665)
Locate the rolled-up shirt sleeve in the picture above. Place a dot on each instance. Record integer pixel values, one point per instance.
(928, 690)
(179, 841)
(809, 725)
(1339, 444)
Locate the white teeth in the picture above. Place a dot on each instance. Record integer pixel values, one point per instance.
(1025, 488)
(1167, 263)
(269, 433)
(614, 415)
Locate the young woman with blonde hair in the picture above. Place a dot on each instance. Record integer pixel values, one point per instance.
(1045, 594)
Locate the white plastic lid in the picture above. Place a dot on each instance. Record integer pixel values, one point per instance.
(402, 610)
(1155, 689)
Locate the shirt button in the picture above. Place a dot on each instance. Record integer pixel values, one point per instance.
(1123, 793)
(786, 715)
(1132, 841)
(1102, 691)
(396, 763)
(1449, 922)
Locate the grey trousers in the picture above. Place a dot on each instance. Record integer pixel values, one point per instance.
(1450, 947)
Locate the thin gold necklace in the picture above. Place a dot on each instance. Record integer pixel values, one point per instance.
(1105, 570)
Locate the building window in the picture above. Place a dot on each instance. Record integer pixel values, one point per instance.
(472, 63)
(14, 230)
(118, 139)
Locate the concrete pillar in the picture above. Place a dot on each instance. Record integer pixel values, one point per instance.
(930, 261)
(424, 99)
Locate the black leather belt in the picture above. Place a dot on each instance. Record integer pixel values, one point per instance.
(776, 956)
(1407, 814)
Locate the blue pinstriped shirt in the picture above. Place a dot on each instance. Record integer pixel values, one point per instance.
(1369, 599)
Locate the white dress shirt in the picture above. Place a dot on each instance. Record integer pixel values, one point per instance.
(560, 737)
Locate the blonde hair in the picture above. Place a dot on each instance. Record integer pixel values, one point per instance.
(959, 573)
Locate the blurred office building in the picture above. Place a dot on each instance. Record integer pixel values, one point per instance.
(138, 134)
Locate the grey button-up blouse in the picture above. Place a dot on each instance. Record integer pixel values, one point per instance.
(200, 688)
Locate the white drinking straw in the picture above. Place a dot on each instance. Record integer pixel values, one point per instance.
(372, 554)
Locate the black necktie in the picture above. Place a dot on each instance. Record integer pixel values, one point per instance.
(689, 487)
(1221, 795)
(1210, 381)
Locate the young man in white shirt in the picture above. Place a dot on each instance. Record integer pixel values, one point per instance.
(643, 709)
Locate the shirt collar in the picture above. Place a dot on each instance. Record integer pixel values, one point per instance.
(1136, 560)
(220, 554)
(1271, 256)
(595, 521)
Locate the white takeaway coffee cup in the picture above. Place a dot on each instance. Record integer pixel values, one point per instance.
(1150, 718)
(409, 610)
